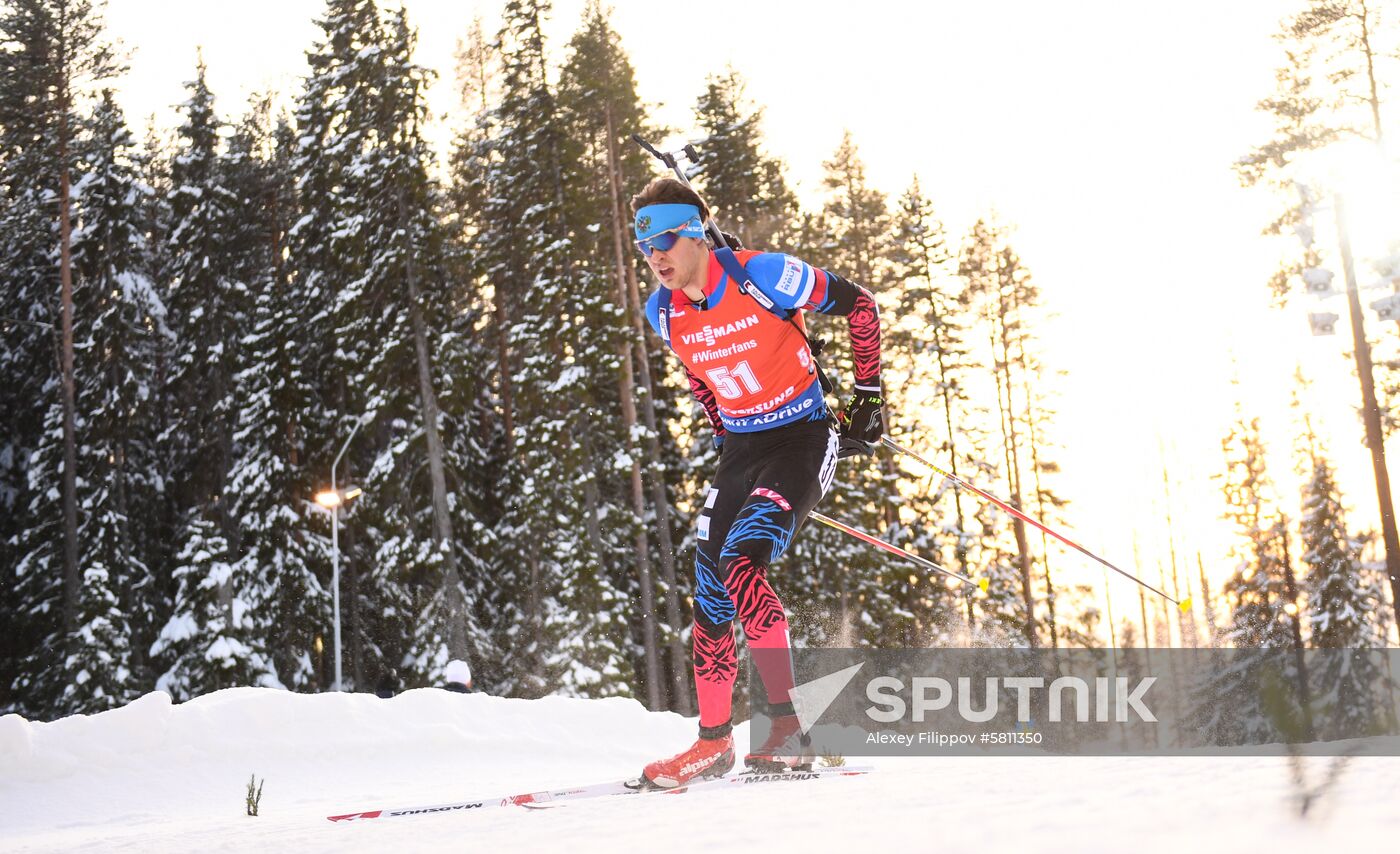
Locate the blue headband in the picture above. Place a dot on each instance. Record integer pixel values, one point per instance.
(655, 219)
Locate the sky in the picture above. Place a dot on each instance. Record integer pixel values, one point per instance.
(1104, 132)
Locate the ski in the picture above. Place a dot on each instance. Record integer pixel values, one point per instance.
(602, 790)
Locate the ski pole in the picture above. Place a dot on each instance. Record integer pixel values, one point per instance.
(1183, 604)
(893, 549)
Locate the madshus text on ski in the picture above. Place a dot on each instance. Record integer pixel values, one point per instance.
(550, 798)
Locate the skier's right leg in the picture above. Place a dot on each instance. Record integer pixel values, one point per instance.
(712, 641)
(712, 646)
(712, 637)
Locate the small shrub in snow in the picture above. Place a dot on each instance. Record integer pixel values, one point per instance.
(254, 794)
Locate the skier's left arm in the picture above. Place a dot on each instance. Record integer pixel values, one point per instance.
(863, 417)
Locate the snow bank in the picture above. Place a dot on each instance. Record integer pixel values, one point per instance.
(152, 762)
(154, 776)
(257, 728)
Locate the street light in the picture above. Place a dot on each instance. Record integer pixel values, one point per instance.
(333, 499)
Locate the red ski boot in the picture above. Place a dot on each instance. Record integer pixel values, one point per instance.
(786, 748)
(707, 757)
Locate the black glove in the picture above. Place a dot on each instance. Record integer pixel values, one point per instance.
(862, 418)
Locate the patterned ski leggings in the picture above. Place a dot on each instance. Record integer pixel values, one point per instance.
(766, 485)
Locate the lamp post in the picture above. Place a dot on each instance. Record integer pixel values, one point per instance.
(332, 500)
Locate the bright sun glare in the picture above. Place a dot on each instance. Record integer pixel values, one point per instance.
(1366, 177)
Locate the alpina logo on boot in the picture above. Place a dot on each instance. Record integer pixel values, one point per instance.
(699, 765)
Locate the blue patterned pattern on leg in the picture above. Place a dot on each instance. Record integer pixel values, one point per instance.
(710, 595)
(760, 522)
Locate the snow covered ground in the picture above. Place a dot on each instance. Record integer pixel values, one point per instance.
(159, 777)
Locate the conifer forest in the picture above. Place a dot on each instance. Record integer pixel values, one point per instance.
(202, 324)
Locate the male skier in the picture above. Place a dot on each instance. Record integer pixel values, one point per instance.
(750, 366)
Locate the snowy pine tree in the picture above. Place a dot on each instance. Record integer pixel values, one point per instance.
(212, 639)
(1256, 588)
(123, 319)
(856, 218)
(1342, 607)
(1229, 706)
(1301, 125)
(744, 187)
(337, 112)
(31, 585)
(600, 106)
(1001, 612)
(1001, 291)
(928, 379)
(52, 52)
(526, 255)
(163, 515)
(1046, 505)
(409, 488)
(270, 481)
(476, 352)
(843, 591)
